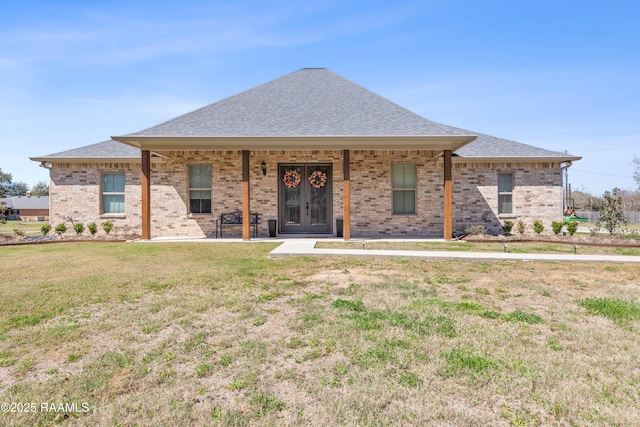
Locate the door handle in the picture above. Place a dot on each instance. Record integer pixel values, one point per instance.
(307, 208)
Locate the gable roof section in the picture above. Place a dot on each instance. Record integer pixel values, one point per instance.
(308, 108)
(312, 107)
(486, 147)
(26, 202)
(308, 102)
(102, 151)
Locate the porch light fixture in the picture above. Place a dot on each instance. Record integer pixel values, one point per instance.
(263, 166)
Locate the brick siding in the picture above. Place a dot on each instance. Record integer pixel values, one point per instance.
(75, 192)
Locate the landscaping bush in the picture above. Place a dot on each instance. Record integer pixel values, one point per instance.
(45, 229)
(61, 228)
(612, 212)
(93, 228)
(107, 226)
(507, 227)
(78, 228)
(572, 227)
(557, 226)
(538, 227)
(521, 226)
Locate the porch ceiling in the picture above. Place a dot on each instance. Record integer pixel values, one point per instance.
(265, 143)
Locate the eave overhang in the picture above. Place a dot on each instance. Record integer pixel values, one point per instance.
(264, 143)
(522, 159)
(89, 159)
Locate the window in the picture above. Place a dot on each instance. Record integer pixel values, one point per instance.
(404, 189)
(200, 189)
(113, 193)
(505, 193)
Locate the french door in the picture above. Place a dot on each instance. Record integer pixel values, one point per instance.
(304, 204)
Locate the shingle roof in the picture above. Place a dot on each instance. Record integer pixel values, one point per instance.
(308, 102)
(102, 150)
(491, 146)
(24, 202)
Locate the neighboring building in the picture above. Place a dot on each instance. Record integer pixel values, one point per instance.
(27, 208)
(307, 149)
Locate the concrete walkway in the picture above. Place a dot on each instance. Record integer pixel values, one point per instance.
(306, 247)
(300, 247)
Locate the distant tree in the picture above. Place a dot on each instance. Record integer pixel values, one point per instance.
(612, 212)
(40, 189)
(3, 210)
(585, 201)
(16, 189)
(5, 180)
(636, 175)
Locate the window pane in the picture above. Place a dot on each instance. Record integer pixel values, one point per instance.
(118, 183)
(505, 183)
(107, 183)
(200, 201)
(113, 183)
(504, 204)
(398, 202)
(397, 178)
(409, 176)
(403, 176)
(404, 202)
(200, 176)
(113, 203)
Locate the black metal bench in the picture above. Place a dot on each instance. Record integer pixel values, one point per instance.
(235, 218)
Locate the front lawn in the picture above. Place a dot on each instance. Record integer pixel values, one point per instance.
(219, 334)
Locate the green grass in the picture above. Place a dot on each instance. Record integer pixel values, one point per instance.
(612, 308)
(463, 361)
(219, 334)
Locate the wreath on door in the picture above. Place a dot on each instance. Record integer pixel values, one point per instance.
(318, 179)
(291, 178)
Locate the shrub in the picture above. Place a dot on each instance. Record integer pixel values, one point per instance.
(61, 228)
(557, 226)
(611, 213)
(572, 227)
(107, 226)
(18, 231)
(507, 227)
(538, 227)
(45, 229)
(521, 226)
(93, 228)
(476, 230)
(78, 228)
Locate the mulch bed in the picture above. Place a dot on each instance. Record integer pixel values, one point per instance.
(601, 240)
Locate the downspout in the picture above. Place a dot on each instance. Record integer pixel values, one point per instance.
(565, 186)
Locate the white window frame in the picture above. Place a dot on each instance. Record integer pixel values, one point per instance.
(506, 193)
(206, 189)
(105, 193)
(404, 189)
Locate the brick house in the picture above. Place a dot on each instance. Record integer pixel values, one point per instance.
(311, 150)
(26, 208)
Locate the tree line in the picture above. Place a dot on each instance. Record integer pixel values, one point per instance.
(10, 188)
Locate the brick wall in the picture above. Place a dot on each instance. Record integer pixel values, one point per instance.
(75, 192)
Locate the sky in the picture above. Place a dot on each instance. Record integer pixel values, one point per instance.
(558, 74)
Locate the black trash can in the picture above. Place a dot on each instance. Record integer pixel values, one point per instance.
(339, 225)
(272, 227)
